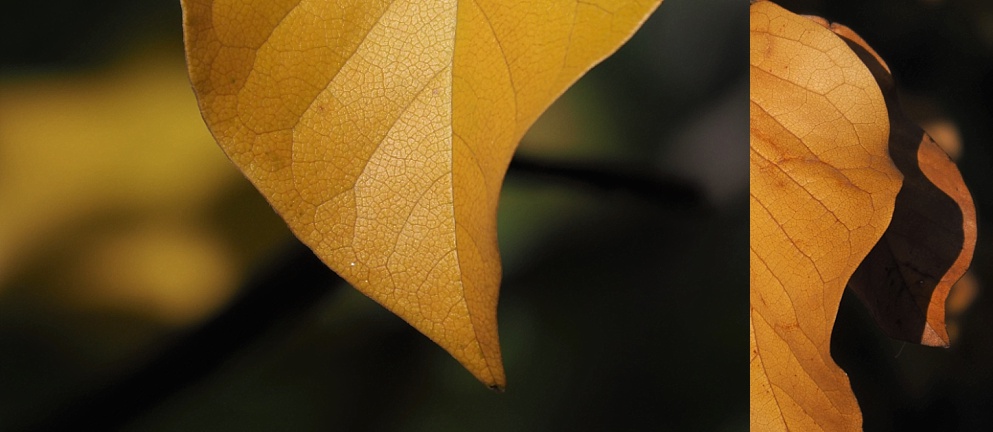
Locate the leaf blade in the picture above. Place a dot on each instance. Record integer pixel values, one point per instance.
(822, 190)
(906, 278)
(381, 132)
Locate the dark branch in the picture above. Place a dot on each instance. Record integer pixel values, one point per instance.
(671, 191)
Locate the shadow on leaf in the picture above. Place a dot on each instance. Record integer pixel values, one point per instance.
(928, 246)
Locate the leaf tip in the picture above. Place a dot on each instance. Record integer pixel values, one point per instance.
(930, 337)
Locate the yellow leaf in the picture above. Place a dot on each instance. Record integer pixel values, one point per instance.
(381, 132)
(822, 193)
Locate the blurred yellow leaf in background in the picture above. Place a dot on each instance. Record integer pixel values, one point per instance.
(110, 174)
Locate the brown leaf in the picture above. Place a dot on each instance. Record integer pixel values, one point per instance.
(928, 246)
(822, 193)
(906, 276)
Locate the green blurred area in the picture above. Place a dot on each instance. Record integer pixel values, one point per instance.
(123, 226)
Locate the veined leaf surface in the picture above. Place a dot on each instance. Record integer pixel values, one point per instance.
(381, 132)
(822, 190)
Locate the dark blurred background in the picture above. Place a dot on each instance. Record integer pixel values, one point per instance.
(941, 54)
(124, 231)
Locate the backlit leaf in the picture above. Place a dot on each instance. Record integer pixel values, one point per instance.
(822, 193)
(381, 132)
(906, 278)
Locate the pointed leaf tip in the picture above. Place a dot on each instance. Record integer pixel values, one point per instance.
(381, 132)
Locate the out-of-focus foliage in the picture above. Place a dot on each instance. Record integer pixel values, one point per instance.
(103, 149)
